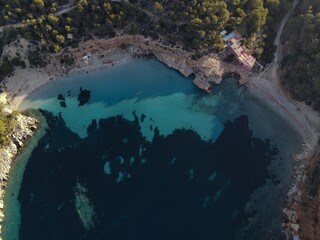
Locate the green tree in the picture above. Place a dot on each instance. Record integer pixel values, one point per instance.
(60, 38)
(257, 18)
(158, 7)
(39, 3)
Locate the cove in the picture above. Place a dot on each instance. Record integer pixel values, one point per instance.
(149, 156)
(144, 87)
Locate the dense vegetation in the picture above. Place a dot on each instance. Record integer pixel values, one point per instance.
(302, 54)
(197, 23)
(193, 24)
(7, 123)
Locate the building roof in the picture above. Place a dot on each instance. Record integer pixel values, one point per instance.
(231, 35)
(238, 51)
(247, 60)
(233, 43)
(232, 39)
(237, 35)
(224, 32)
(69, 35)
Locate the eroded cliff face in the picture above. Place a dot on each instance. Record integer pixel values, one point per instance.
(302, 211)
(180, 64)
(23, 129)
(21, 132)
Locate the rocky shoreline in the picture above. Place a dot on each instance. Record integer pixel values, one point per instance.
(302, 208)
(24, 130)
(210, 70)
(100, 53)
(207, 71)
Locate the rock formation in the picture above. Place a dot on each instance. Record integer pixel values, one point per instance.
(22, 131)
(171, 61)
(302, 209)
(207, 70)
(83, 206)
(211, 67)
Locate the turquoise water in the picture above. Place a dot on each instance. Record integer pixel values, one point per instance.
(169, 99)
(231, 172)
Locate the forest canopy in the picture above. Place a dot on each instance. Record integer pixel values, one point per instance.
(301, 72)
(193, 24)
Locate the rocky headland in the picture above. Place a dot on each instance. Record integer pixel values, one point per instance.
(24, 128)
(302, 209)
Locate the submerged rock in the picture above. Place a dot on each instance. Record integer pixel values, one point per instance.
(84, 96)
(84, 207)
(107, 168)
(61, 97)
(62, 100)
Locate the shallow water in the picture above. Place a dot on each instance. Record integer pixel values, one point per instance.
(144, 87)
(172, 166)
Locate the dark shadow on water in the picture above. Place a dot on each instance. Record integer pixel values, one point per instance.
(175, 187)
(180, 187)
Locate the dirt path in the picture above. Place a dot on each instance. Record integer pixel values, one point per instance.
(65, 9)
(16, 25)
(271, 73)
(268, 87)
(280, 30)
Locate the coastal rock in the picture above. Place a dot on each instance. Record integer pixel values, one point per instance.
(62, 100)
(295, 227)
(7, 153)
(211, 67)
(178, 64)
(84, 207)
(7, 111)
(201, 82)
(1, 216)
(84, 96)
(3, 98)
(23, 130)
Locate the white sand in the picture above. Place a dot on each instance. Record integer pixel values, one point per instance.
(266, 87)
(302, 117)
(23, 83)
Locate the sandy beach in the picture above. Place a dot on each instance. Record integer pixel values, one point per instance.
(300, 116)
(25, 81)
(104, 53)
(306, 122)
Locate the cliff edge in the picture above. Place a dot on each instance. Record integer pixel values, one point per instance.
(22, 129)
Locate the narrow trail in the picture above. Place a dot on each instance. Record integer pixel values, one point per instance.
(273, 74)
(66, 8)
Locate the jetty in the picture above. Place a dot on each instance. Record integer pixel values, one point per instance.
(203, 83)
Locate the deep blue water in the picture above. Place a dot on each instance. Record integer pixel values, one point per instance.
(186, 188)
(158, 159)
